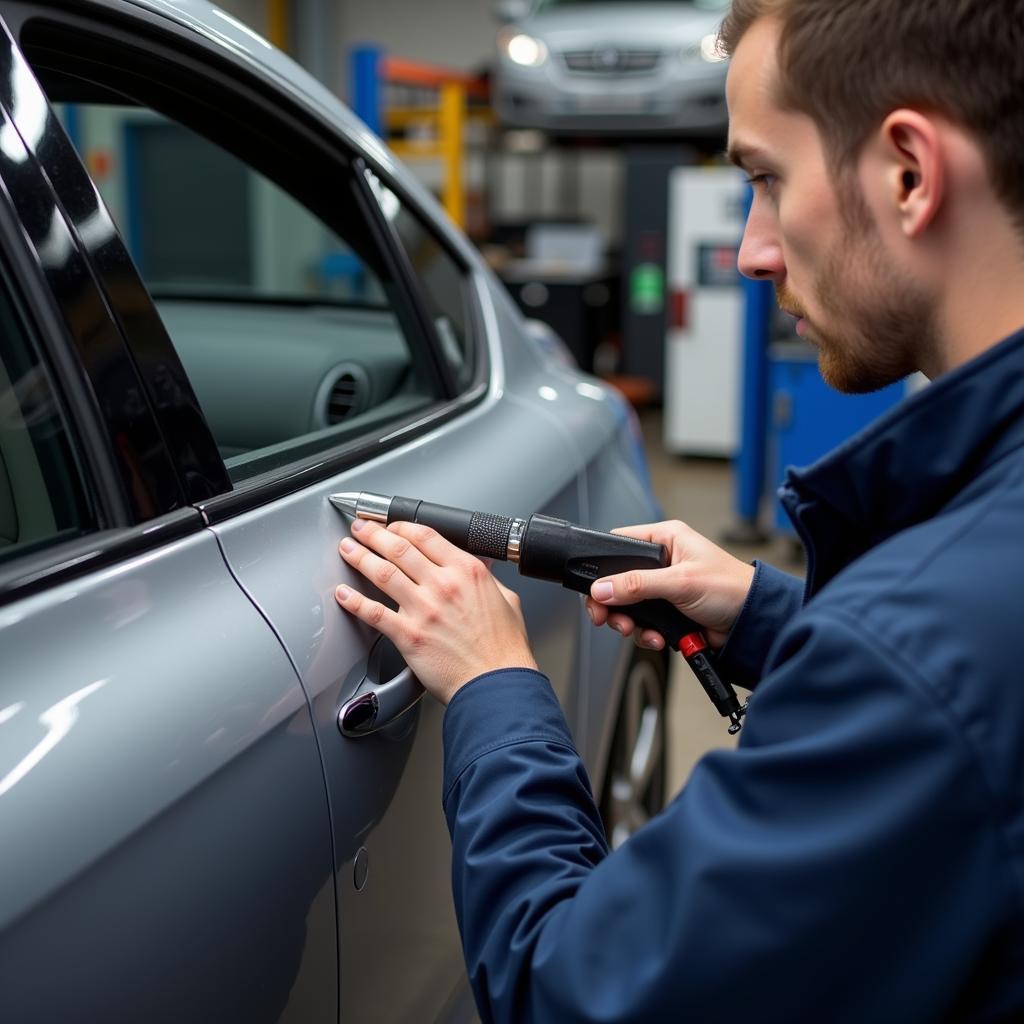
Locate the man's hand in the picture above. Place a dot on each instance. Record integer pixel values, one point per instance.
(454, 621)
(702, 581)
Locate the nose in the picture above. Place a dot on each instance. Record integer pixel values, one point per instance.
(760, 255)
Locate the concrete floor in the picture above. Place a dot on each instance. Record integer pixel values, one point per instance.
(699, 492)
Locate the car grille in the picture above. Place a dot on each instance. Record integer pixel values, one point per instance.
(610, 60)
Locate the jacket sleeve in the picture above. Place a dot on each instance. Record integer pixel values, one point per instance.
(840, 865)
(772, 602)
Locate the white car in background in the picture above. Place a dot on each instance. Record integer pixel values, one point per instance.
(611, 66)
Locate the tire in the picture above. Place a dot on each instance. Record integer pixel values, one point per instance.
(634, 786)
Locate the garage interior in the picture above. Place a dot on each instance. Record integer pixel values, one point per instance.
(337, 337)
(618, 240)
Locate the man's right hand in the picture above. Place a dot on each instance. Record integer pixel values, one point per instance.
(702, 581)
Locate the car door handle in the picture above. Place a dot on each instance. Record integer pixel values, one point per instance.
(385, 688)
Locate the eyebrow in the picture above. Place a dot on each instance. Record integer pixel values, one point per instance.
(743, 155)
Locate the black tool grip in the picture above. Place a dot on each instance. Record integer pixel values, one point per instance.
(661, 616)
(479, 533)
(488, 535)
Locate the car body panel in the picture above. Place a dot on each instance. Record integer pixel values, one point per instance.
(385, 788)
(162, 740)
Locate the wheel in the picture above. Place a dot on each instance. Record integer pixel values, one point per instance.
(634, 787)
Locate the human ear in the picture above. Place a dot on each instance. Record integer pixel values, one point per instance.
(911, 147)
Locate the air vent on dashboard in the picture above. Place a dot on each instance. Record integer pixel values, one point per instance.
(343, 393)
(344, 398)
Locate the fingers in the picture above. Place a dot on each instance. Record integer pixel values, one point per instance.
(431, 544)
(641, 637)
(382, 573)
(649, 640)
(392, 556)
(406, 560)
(601, 616)
(643, 531)
(373, 613)
(633, 586)
(399, 550)
(604, 616)
(597, 612)
(454, 623)
(655, 533)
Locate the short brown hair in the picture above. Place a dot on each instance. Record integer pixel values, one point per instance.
(848, 63)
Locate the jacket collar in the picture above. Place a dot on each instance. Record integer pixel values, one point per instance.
(910, 463)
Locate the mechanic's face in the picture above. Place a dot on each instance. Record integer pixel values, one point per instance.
(815, 238)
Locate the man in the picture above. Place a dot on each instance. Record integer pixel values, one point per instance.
(860, 856)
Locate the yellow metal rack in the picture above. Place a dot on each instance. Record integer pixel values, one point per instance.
(432, 123)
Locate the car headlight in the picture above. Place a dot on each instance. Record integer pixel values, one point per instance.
(524, 50)
(706, 50)
(710, 51)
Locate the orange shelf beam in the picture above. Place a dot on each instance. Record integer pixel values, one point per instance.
(402, 71)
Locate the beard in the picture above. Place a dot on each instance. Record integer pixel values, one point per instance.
(875, 321)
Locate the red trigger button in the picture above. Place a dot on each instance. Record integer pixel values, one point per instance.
(692, 644)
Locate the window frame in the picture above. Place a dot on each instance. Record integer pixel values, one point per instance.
(202, 65)
(50, 291)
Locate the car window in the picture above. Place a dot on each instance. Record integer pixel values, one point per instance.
(42, 496)
(285, 324)
(443, 282)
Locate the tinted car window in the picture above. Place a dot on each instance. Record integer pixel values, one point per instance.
(286, 331)
(42, 496)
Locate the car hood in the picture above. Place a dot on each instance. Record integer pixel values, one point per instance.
(652, 25)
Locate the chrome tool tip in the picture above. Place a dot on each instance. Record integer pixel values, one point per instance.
(347, 503)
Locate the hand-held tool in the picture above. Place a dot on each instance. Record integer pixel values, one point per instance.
(554, 549)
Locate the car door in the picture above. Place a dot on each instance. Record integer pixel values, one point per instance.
(341, 347)
(165, 839)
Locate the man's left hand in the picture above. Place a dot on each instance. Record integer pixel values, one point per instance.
(454, 620)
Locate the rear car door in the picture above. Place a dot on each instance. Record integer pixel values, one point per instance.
(335, 341)
(165, 839)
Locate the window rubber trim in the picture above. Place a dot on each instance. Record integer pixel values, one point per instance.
(64, 563)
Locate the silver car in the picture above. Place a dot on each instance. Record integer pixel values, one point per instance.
(611, 66)
(222, 300)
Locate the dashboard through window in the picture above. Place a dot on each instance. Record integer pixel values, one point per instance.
(287, 325)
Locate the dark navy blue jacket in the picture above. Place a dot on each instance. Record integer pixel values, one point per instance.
(860, 856)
